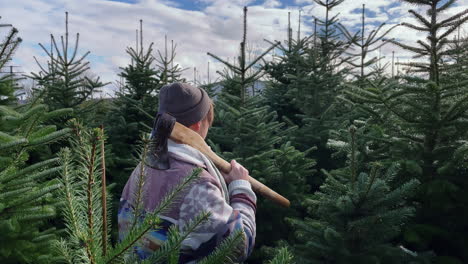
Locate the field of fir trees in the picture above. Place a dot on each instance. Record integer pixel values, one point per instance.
(371, 153)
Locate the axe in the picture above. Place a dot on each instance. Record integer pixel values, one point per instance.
(165, 126)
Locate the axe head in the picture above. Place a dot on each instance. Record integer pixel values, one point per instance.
(157, 156)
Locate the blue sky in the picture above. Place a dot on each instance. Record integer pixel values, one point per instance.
(107, 27)
(200, 5)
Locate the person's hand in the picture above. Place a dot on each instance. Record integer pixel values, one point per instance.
(238, 172)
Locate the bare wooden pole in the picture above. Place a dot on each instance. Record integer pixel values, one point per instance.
(189, 137)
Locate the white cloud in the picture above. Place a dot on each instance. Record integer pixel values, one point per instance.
(272, 3)
(107, 28)
(300, 2)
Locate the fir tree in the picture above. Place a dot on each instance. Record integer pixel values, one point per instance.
(428, 124)
(210, 89)
(308, 75)
(28, 191)
(258, 141)
(7, 48)
(355, 216)
(283, 72)
(169, 73)
(365, 45)
(456, 61)
(282, 257)
(239, 77)
(132, 110)
(316, 89)
(64, 78)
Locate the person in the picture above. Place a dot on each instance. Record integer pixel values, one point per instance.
(227, 197)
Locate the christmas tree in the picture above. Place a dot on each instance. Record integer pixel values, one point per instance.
(308, 75)
(365, 45)
(127, 117)
(258, 141)
(239, 77)
(169, 73)
(64, 78)
(424, 116)
(283, 74)
(28, 189)
(7, 48)
(355, 216)
(135, 105)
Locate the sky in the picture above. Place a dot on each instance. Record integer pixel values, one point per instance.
(107, 28)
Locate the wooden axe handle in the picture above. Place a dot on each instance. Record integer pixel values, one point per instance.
(193, 139)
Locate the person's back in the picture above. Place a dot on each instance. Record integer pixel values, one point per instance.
(230, 208)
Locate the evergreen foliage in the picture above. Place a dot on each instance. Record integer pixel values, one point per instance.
(169, 73)
(210, 89)
(27, 184)
(7, 48)
(405, 154)
(258, 141)
(365, 45)
(355, 216)
(239, 77)
(7, 89)
(307, 76)
(134, 106)
(282, 257)
(317, 83)
(425, 115)
(283, 71)
(456, 60)
(209, 85)
(65, 79)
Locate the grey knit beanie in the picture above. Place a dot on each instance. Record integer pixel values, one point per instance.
(186, 103)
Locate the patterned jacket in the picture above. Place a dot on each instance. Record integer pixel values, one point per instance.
(205, 194)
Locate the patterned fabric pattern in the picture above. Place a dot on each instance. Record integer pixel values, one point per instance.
(205, 195)
(151, 241)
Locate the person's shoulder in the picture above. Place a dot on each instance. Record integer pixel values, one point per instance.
(177, 162)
